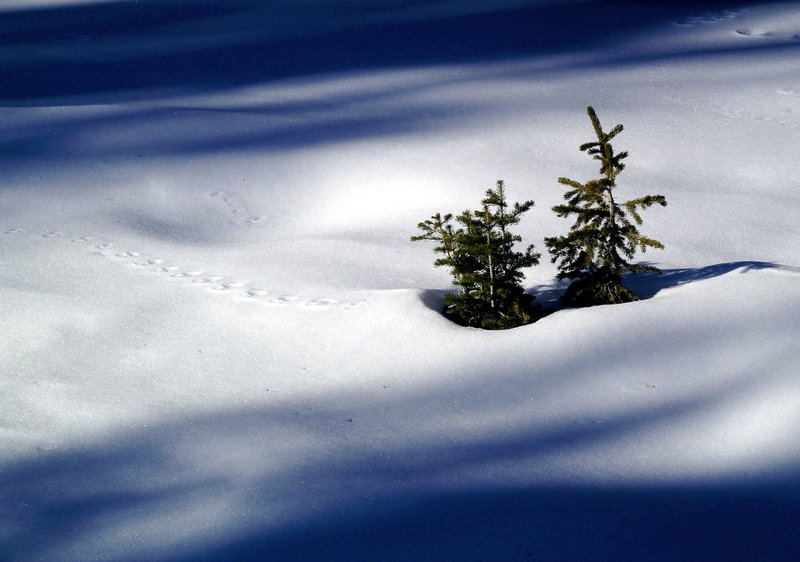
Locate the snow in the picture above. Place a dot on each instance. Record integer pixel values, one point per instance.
(219, 343)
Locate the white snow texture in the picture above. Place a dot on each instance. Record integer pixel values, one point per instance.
(218, 342)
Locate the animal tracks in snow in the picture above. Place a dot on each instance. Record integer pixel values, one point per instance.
(709, 18)
(748, 33)
(235, 209)
(790, 37)
(126, 255)
(210, 281)
(712, 18)
(783, 115)
(782, 120)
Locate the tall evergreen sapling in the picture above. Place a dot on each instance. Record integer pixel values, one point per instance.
(603, 239)
(485, 267)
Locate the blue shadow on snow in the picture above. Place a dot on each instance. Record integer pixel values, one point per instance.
(114, 50)
(645, 286)
(386, 504)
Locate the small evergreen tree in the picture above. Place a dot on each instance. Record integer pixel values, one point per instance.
(485, 267)
(604, 237)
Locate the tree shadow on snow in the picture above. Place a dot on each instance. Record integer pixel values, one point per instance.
(259, 127)
(577, 524)
(123, 51)
(644, 286)
(202, 478)
(648, 285)
(107, 51)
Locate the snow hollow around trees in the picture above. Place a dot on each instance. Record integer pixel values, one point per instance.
(218, 342)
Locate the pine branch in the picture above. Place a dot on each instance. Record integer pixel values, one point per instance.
(571, 183)
(603, 238)
(614, 132)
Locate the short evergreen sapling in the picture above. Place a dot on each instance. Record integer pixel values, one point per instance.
(485, 267)
(604, 237)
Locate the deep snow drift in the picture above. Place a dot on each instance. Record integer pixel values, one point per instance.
(218, 342)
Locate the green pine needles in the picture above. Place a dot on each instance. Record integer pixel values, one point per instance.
(604, 236)
(485, 267)
(479, 248)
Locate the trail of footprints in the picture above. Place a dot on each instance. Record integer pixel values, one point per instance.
(743, 113)
(712, 18)
(212, 282)
(235, 209)
(787, 116)
(709, 18)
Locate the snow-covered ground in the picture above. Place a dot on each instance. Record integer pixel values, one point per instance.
(218, 342)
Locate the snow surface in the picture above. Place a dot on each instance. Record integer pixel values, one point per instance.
(219, 344)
